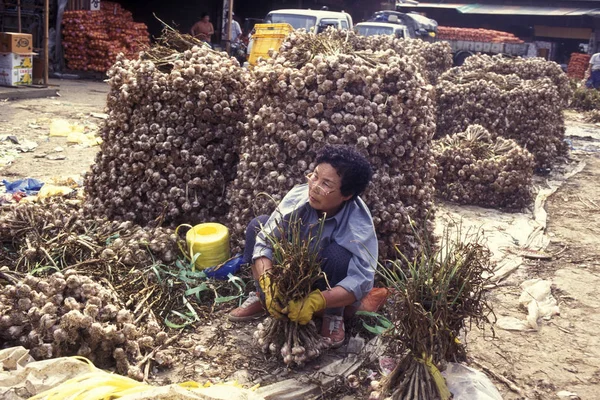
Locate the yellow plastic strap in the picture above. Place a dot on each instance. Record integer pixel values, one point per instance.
(189, 385)
(439, 380)
(209, 241)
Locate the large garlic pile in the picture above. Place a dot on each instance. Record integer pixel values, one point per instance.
(528, 111)
(475, 169)
(433, 59)
(170, 139)
(377, 102)
(525, 68)
(70, 314)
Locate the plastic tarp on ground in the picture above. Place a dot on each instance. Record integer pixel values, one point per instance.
(511, 237)
(22, 377)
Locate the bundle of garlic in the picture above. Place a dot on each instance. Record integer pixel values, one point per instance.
(592, 116)
(296, 271)
(527, 111)
(169, 143)
(377, 102)
(56, 232)
(524, 68)
(433, 59)
(475, 169)
(70, 314)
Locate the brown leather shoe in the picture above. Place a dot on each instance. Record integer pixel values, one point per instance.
(333, 329)
(250, 309)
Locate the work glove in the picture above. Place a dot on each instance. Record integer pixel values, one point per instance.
(272, 296)
(301, 311)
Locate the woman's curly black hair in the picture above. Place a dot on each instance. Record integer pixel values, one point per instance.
(353, 167)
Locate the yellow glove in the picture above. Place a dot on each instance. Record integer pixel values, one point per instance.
(272, 296)
(302, 311)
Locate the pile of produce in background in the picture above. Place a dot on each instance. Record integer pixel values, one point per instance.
(476, 35)
(585, 99)
(324, 91)
(524, 68)
(578, 65)
(93, 39)
(433, 58)
(101, 289)
(296, 269)
(474, 169)
(592, 116)
(516, 99)
(434, 299)
(170, 140)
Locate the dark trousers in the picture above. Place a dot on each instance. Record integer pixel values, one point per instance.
(334, 264)
(594, 80)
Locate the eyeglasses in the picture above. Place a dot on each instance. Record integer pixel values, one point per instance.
(322, 189)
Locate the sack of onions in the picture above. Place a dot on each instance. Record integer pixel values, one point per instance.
(110, 30)
(475, 169)
(578, 65)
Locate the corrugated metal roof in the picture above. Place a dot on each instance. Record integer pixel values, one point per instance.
(523, 10)
(431, 5)
(509, 10)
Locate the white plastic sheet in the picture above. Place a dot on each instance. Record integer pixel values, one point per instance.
(537, 299)
(466, 383)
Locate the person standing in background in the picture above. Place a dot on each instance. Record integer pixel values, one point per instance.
(594, 72)
(203, 29)
(236, 31)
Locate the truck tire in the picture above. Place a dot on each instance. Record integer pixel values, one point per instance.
(460, 57)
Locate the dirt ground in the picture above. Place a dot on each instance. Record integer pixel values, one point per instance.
(561, 360)
(564, 355)
(31, 119)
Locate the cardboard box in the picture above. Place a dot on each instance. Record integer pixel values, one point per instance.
(16, 43)
(16, 60)
(15, 77)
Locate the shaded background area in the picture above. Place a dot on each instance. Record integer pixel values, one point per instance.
(184, 13)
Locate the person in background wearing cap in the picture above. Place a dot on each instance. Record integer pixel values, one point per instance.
(203, 29)
(236, 33)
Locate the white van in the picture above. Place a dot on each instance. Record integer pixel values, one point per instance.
(315, 20)
(381, 28)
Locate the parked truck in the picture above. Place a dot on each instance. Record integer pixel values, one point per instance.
(416, 26)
